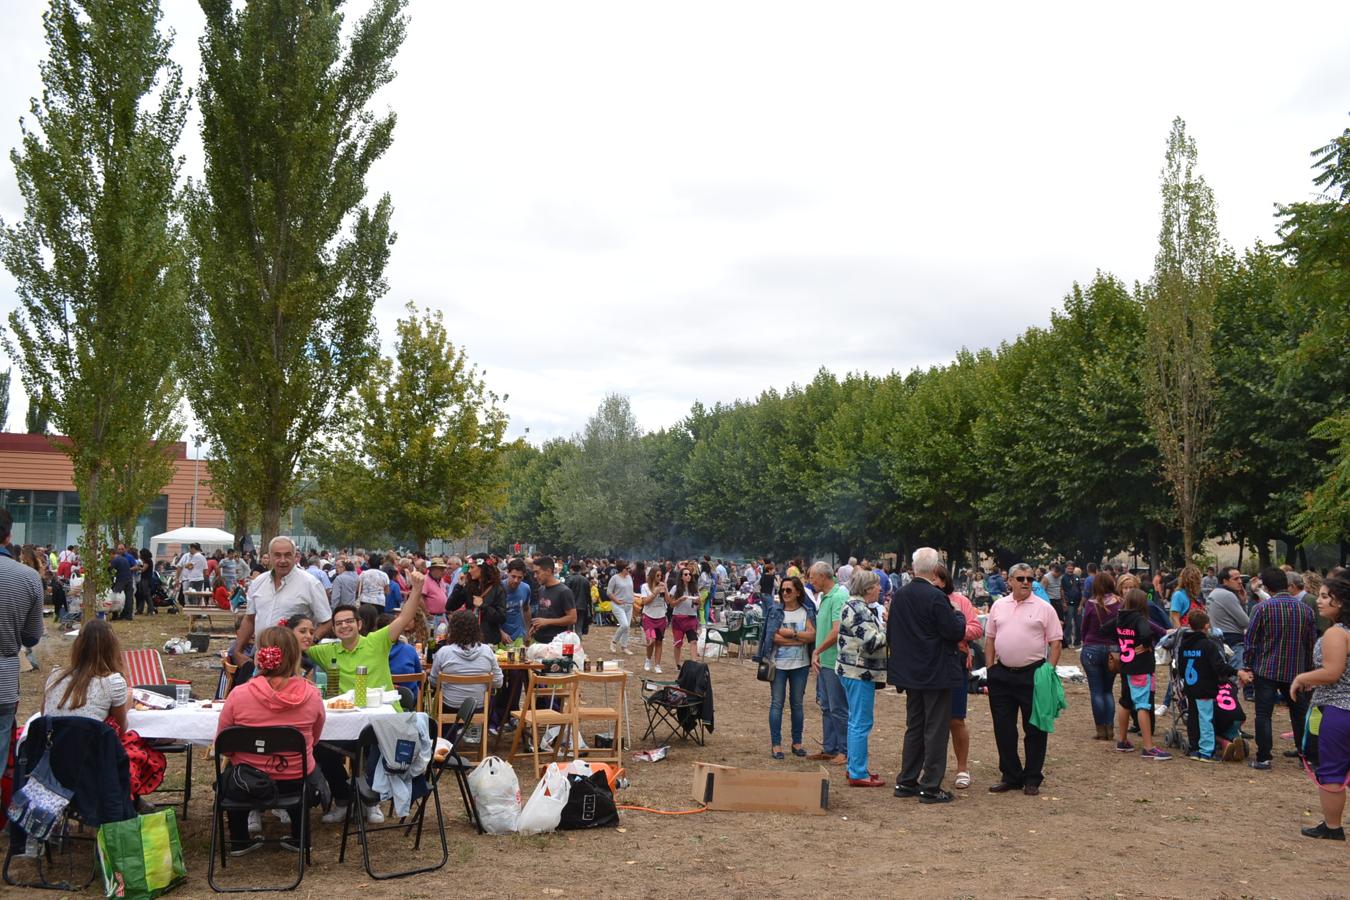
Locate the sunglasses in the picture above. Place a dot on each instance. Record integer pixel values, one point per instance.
(787, 590)
(1023, 579)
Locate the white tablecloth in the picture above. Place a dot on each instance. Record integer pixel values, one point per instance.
(198, 726)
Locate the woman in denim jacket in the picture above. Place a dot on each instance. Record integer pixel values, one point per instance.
(789, 633)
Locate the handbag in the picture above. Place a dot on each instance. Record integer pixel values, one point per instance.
(1113, 661)
(767, 668)
(244, 783)
(40, 805)
(141, 857)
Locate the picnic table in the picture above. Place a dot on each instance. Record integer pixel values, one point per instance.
(197, 724)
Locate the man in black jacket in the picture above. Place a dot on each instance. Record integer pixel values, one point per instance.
(922, 631)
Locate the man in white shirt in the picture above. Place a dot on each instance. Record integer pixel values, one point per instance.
(285, 591)
(192, 568)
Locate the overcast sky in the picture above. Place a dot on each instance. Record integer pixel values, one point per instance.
(703, 200)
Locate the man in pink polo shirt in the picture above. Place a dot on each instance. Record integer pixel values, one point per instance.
(1020, 630)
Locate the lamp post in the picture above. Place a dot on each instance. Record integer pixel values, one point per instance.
(196, 475)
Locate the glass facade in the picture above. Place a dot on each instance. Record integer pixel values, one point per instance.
(52, 518)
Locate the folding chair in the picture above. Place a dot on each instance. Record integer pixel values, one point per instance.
(674, 709)
(444, 717)
(419, 679)
(367, 755)
(460, 766)
(606, 713)
(549, 700)
(96, 739)
(724, 636)
(145, 669)
(267, 741)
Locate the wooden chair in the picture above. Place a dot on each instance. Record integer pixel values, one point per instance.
(449, 716)
(419, 679)
(607, 713)
(542, 693)
(228, 681)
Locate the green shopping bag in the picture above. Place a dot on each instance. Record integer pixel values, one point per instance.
(141, 857)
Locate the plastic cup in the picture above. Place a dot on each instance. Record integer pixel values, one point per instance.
(182, 694)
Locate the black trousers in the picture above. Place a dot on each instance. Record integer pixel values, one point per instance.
(928, 728)
(238, 819)
(1010, 692)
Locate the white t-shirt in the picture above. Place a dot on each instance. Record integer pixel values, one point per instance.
(103, 694)
(792, 656)
(686, 605)
(655, 607)
(370, 587)
(194, 566)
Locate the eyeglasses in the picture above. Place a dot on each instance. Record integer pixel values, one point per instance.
(339, 623)
(1024, 579)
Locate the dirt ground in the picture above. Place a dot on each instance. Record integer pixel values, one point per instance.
(1105, 824)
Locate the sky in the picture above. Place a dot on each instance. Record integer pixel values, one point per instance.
(705, 200)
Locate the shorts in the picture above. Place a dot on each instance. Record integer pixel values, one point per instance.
(1333, 746)
(682, 627)
(653, 629)
(1136, 692)
(959, 697)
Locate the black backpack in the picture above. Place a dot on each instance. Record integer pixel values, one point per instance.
(590, 803)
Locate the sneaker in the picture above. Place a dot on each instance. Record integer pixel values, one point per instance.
(626, 650)
(336, 815)
(255, 822)
(374, 816)
(646, 665)
(1262, 765)
(657, 669)
(1124, 747)
(282, 816)
(1156, 753)
(247, 848)
(494, 730)
(1321, 830)
(1197, 756)
(612, 648)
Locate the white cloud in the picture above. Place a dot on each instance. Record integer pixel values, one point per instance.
(701, 201)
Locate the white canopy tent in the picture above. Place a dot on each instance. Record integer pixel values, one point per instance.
(207, 537)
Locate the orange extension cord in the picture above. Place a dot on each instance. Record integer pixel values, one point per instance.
(665, 812)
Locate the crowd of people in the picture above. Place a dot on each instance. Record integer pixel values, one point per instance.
(304, 619)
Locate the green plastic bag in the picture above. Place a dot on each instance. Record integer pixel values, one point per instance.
(141, 857)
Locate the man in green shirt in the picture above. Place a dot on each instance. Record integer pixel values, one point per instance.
(830, 599)
(372, 650)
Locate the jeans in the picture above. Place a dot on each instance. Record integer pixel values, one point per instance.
(1073, 631)
(833, 711)
(792, 683)
(1101, 683)
(1237, 644)
(624, 615)
(1266, 693)
(861, 697)
(7, 712)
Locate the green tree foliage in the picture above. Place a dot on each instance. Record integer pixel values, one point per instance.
(289, 258)
(38, 415)
(1179, 322)
(98, 256)
(604, 494)
(527, 513)
(342, 502)
(430, 433)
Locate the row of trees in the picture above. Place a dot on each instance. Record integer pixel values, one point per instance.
(269, 264)
(1210, 401)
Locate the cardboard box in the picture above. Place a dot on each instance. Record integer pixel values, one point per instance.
(759, 790)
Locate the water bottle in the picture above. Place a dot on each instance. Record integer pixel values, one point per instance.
(359, 687)
(331, 670)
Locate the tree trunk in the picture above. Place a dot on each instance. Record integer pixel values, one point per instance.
(92, 552)
(1242, 545)
(271, 518)
(1262, 552)
(240, 532)
(1154, 534)
(974, 545)
(1289, 550)
(1302, 558)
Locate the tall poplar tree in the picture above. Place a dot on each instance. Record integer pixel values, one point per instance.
(98, 256)
(290, 259)
(1179, 380)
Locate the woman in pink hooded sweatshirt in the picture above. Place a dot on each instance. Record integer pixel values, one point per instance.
(279, 696)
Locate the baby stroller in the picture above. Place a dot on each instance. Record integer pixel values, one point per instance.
(1228, 712)
(1176, 733)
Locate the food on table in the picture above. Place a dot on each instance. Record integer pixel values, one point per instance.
(340, 703)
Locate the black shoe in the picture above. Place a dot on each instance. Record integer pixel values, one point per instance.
(1031, 790)
(1292, 754)
(1000, 787)
(907, 790)
(1321, 830)
(937, 796)
(1260, 765)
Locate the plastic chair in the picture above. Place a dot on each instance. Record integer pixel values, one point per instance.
(267, 741)
(480, 718)
(607, 713)
(368, 751)
(542, 694)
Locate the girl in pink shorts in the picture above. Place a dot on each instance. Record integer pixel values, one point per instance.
(684, 598)
(654, 617)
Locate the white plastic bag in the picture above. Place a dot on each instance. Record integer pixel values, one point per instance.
(496, 793)
(543, 811)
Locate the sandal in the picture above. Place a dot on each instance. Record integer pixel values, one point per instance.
(963, 780)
